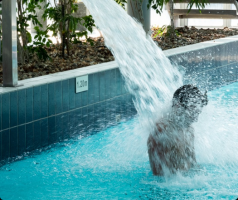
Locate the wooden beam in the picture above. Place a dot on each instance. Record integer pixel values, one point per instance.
(209, 1)
(204, 12)
(208, 17)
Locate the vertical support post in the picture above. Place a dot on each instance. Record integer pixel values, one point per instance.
(134, 11)
(9, 43)
(227, 22)
(183, 22)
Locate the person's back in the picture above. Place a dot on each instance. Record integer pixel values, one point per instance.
(171, 144)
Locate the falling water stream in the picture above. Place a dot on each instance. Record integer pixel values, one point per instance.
(148, 73)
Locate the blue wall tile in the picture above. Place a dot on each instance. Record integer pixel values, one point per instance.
(128, 105)
(113, 114)
(13, 109)
(71, 123)
(78, 119)
(29, 104)
(91, 89)
(52, 133)
(224, 55)
(59, 126)
(21, 107)
(108, 112)
(231, 53)
(37, 134)
(84, 98)
(101, 121)
(118, 82)
(5, 110)
(58, 97)
(37, 102)
(78, 100)
(231, 70)
(123, 105)
(51, 99)
(102, 78)
(91, 116)
(84, 119)
(231, 78)
(123, 86)
(235, 51)
(108, 84)
(21, 139)
(0, 115)
(113, 83)
(44, 101)
(96, 86)
(0, 145)
(65, 121)
(13, 142)
(29, 137)
(72, 90)
(65, 91)
(5, 144)
(44, 132)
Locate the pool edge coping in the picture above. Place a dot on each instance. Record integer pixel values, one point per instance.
(60, 76)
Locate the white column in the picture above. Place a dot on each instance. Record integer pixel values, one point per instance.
(227, 22)
(9, 43)
(183, 22)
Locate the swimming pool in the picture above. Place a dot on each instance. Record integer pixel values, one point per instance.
(113, 164)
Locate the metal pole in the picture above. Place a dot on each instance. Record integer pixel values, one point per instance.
(9, 43)
(132, 10)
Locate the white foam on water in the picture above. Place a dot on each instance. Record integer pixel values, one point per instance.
(152, 80)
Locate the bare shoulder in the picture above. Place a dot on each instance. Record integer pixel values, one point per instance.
(153, 137)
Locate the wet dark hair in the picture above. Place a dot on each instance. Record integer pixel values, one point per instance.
(190, 94)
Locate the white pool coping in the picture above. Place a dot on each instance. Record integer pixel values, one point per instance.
(32, 82)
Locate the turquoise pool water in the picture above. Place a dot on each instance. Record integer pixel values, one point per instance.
(113, 164)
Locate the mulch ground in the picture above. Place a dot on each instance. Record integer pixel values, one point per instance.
(186, 36)
(82, 55)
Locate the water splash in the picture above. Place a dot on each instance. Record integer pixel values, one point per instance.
(114, 163)
(148, 73)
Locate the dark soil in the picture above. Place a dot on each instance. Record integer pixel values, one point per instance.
(186, 36)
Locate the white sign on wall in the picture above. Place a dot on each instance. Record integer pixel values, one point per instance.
(81, 84)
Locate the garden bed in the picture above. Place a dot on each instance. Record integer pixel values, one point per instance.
(82, 55)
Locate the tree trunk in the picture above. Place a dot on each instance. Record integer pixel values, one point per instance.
(171, 8)
(63, 31)
(138, 9)
(24, 54)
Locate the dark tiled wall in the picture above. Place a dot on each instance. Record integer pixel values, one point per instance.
(211, 67)
(37, 117)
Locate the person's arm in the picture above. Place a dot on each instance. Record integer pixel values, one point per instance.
(193, 149)
(155, 150)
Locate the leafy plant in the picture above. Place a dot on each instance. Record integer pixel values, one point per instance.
(121, 3)
(41, 40)
(158, 5)
(26, 10)
(65, 24)
(166, 31)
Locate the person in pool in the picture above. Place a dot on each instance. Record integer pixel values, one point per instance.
(171, 144)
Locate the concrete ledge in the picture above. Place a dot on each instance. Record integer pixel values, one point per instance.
(27, 83)
(202, 45)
